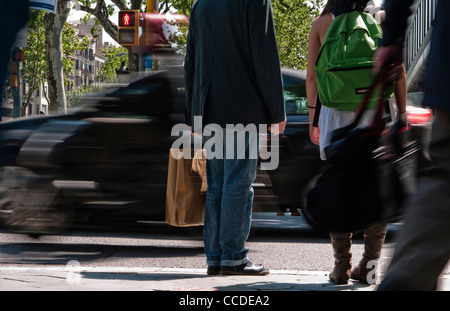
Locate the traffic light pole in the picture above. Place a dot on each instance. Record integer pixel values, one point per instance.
(152, 7)
(17, 94)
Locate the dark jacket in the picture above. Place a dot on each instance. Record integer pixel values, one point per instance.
(232, 68)
(15, 14)
(437, 73)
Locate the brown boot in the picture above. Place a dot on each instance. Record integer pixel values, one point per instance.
(374, 237)
(342, 243)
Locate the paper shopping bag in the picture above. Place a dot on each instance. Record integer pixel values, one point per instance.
(186, 188)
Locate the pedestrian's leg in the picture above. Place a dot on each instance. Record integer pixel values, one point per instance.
(341, 243)
(423, 247)
(373, 244)
(211, 228)
(237, 203)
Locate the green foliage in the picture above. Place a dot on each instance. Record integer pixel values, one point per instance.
(34, 70)
(293, 19)
(35, 66)
(178, 6)
(114, 57)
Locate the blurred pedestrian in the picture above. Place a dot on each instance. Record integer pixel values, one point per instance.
(15, 14)
(233, 76)
(331, 119)
(423, 245)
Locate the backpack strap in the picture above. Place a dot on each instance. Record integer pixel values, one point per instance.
(317, 112)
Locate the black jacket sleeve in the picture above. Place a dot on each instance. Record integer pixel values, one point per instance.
(189, 68)
(266, 59)
(396, 21)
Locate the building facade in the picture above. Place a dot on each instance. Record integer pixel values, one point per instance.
(87, 63)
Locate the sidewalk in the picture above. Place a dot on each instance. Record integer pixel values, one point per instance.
(75, 278)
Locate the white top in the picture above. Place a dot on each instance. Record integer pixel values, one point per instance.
(332, 118)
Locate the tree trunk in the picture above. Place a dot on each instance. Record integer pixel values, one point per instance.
(54, 52)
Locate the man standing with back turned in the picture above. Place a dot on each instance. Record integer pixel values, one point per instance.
(233, 77)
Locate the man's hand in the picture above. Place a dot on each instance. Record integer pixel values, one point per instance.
(389, 56)
(278, 128)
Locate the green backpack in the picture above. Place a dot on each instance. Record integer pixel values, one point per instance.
(344, 64)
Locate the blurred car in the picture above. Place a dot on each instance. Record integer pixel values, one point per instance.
(108, 161)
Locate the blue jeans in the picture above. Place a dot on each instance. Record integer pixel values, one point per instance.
(229, 201)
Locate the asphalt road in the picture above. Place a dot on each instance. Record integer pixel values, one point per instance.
(277, 242)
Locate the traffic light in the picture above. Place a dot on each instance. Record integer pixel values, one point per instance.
(17, 55)
(128, 33)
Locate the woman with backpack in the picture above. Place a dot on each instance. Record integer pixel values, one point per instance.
(330, 117)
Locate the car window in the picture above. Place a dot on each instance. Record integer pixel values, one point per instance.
(294, 97)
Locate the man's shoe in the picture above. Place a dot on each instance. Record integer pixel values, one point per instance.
(245, 269)
(213, 270)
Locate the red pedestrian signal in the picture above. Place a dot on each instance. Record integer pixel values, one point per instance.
(128, 18)
(128, 33)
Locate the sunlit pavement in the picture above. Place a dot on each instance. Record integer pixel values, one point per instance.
(76, 278)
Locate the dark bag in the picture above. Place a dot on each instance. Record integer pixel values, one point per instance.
(368, 174)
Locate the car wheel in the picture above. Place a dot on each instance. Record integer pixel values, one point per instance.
(29, 203)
